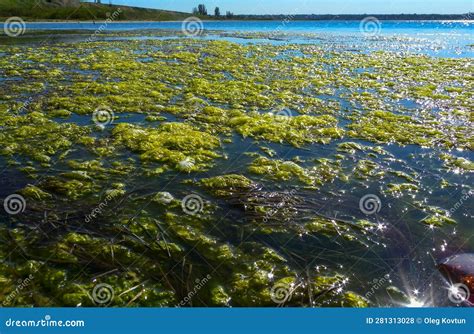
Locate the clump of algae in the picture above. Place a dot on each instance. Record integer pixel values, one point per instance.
(456, 164)
(177, 145)
(227, 185)
(280, 170)
(387, 127)
(35, 136)
(326, 170)
(296, 130)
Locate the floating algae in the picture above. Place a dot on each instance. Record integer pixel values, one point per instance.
(171, 143)
(297, 130)
(227, 185)
(325, 171)
(279, 170)
(183, 113)
(457, 165)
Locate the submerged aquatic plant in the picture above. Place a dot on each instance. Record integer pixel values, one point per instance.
(188, 118)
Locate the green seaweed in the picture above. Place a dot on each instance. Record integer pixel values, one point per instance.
(455, 164)
(197, 99)
(171, 143)
(226, 185)
(297, 130)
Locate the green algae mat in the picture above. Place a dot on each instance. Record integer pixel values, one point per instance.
(199, 172)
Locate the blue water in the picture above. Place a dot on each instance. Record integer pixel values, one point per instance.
(434, 38)
(344, 27)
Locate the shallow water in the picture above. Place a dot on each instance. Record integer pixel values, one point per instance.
(343, 27)
(399, 251)
(443, 38)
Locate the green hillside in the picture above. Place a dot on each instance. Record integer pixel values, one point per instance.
(75, 10)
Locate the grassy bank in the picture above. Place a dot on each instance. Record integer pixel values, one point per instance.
(40, 10)
(62, 10)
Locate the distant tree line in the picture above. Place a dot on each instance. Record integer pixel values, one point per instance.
(382, 17)
(202, 10)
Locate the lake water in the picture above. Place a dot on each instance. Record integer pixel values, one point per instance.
(343, 27)
(438, 38)
(402, 248)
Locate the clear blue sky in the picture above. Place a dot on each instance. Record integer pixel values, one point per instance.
(312, 6)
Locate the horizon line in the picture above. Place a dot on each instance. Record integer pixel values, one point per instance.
(287, 14)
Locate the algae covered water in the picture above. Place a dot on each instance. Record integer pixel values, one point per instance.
(238, 167)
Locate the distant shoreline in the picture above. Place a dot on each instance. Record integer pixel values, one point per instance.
(282, 18)
(358, 17)
(41, 11)
(2, 20)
